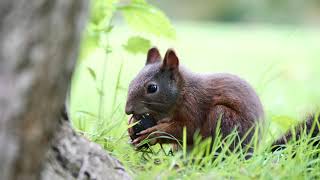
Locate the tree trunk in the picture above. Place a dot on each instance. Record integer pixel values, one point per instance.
(74, 157)
(39, 41)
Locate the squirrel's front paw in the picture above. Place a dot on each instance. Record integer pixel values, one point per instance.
(151, 135)
(149, 139)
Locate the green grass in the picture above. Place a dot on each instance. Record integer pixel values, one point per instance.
(281, 62)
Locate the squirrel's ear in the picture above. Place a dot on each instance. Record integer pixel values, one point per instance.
(171, 61)
(153, 56)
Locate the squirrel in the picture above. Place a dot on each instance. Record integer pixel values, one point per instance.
(176, 98)
(166, 97)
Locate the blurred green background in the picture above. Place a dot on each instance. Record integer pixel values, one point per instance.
(261, 11)
(273, 44)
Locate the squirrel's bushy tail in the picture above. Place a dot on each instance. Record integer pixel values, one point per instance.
(309, 127)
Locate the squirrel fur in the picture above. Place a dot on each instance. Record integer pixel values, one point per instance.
(176, 98)
(186, 99)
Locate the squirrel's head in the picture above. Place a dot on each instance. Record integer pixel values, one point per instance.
(155, 90)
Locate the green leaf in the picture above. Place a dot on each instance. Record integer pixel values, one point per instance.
(109, 29)
(102, 11)
(137, 44)
(142, 17)
(92, 73)
(99, 25)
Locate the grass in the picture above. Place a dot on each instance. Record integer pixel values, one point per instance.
(281, 62)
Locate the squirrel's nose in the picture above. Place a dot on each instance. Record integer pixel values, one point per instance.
(129, 109)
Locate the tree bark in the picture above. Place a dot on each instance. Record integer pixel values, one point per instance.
(39, 42)
(73, 157)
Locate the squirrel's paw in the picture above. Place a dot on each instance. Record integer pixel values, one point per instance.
(147, 134)
(152, 134)
(138, 142)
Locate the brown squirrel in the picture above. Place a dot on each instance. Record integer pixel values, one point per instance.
(176, 98)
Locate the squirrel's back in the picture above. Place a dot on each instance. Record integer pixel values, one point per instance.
(208, 97)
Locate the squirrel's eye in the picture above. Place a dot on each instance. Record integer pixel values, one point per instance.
(152, 88)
